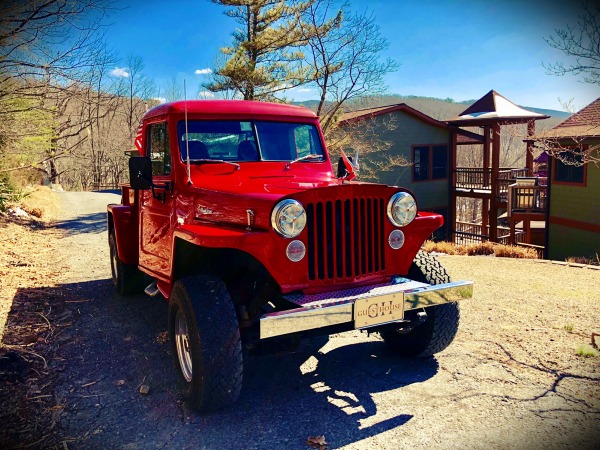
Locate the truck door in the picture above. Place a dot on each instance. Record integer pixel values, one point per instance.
(155, 223)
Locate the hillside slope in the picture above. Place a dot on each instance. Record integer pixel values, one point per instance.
(440, 109)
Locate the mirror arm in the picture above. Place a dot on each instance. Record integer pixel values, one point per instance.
(161, 196)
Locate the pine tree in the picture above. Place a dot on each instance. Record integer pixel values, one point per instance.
(266, 58)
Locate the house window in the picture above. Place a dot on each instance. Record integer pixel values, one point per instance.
(571, 170)
(430, 162)
(159, 148)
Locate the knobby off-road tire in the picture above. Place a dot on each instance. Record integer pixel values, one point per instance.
(127, 278)
(441, 326)
(205, 341)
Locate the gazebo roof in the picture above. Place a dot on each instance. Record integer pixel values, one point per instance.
(494, 108)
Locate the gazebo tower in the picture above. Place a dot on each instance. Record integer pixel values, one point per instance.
(489, 182)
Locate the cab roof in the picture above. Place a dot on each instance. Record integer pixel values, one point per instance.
(230, 108)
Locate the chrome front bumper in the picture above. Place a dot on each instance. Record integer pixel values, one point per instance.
(336, 308)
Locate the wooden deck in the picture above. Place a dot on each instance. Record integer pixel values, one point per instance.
(478, 180)
(473, 233)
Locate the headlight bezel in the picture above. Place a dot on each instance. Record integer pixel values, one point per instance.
(298, 220)
(408, 209)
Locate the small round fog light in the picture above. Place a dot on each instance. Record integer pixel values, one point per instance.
(295, 251)
(396, 239)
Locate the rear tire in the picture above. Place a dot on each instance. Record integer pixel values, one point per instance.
(205, 341)
(440, 327)
(127, 278)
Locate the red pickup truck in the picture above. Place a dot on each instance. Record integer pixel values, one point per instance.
(234, 214)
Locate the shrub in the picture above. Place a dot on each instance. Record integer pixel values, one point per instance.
(586, 351)
(482, 248)
(584, 260)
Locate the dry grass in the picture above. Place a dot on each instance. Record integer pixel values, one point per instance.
(41, 203)
(31, 304)
(583, 260)
(483, 248)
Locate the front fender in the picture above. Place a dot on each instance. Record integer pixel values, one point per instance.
(124, 223)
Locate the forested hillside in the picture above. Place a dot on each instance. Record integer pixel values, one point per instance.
(79, 139)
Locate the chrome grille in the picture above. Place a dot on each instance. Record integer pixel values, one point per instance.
(345, 238)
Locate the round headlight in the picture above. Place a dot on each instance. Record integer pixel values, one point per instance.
(288, 218)
(402, 209)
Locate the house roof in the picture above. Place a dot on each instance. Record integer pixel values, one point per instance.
(494, 107)
(362, 114)
(584, 123)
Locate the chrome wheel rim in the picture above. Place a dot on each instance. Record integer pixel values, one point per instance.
(182, 342)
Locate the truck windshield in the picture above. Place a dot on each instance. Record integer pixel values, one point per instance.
(242, 141)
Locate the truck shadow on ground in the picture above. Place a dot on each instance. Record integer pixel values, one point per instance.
(330, 392)
(108, 346)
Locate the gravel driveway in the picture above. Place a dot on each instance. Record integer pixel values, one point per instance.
(512, 378)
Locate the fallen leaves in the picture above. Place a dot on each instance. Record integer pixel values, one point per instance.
(163, 337)
(317, 442)
(31, 324)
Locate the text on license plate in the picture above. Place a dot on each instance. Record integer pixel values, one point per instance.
(376, 310)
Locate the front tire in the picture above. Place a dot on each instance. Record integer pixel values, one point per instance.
(440, 327)
(205, 341)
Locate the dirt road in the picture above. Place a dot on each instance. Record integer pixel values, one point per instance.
(512, 378)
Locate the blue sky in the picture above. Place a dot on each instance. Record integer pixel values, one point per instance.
(447, 48)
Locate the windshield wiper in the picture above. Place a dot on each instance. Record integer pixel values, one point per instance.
(304, 158)
(212, 161)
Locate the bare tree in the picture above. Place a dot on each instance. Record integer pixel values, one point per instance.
(345, 59)
(48, 52)
(573, 149)
(47, 44)
(365, 142)
(580, 42)
(172, 90)
(135, 85)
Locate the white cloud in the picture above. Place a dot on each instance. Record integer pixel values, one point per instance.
(205, 94)
(304, 90)
(119, 72)
(206, 71)
(160, 99)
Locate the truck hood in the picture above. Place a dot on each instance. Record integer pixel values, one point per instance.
(246, 196)
(269, 180)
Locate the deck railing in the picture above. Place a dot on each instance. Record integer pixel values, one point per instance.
(472, 233)
(480, 179)
(530, 199)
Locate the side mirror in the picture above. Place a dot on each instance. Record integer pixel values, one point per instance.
(140, 172)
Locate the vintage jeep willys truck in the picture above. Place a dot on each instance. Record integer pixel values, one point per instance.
(234, 214)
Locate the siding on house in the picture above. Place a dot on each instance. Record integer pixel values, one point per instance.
(410, 131)
(574, 228)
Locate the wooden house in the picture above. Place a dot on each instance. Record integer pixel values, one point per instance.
(430, 147)
(573, 215)
(423, 142)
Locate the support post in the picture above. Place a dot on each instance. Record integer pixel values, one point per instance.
(495, 182)
(486, 156)
(529, 153)
(453, 157)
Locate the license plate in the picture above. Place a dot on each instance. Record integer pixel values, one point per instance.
(377, 310)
